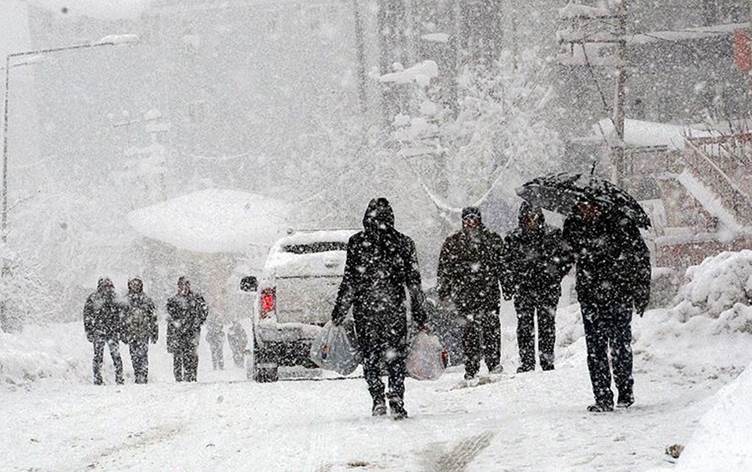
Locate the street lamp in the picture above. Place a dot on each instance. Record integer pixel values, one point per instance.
(33, 57)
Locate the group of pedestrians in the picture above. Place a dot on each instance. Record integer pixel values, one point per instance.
(110, 320)
(476, 268)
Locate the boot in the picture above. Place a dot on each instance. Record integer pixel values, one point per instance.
(379, 407)
(397, 407)
(600, 408)
(625, 400)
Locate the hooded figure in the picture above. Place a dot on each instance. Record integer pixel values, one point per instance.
(186, 312)
(237, 338)
(215, 336)
(469, 276)
(140, 323)
(613, 279)
(534, 265)
(103, 325)
(381, 263)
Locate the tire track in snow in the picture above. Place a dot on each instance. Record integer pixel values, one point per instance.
(458, 457)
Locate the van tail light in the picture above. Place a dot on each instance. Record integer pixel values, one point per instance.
(268, 302)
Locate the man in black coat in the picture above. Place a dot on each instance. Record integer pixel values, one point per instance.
(381, 263)
(469, 276)
(613, 279)
(103, 324)
(140, 324)
(534, 265)
(186, 312)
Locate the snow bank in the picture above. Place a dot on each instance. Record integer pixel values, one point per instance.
(44, 352)
(722, 440)
(100, 9)
(213, 221)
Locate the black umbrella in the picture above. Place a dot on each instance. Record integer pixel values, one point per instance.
(561, 192)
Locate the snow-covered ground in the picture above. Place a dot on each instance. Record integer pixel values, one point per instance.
(53, 419)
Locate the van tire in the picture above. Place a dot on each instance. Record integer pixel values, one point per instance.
(266, 374)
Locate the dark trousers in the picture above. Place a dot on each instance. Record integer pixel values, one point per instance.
(99, 343)
(608, 326)
(527, 306)
(185, 363)
(390, 355)
(139, 350)
(218, 359)
(482, 338)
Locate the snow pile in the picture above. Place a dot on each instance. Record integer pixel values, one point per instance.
(721, 442)
(213, 221)
(719, 288)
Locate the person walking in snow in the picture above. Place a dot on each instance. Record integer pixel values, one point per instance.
(613, 280)
(103, 325)
(534, 265)
(381, 266)
(469, 276)
(237, 338)
(186, 312)
(215, 336)
(140, 328)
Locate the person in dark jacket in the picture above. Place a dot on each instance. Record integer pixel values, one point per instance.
(140, 328)
(613, 279)
(215, 336)
(534, 265)
(381, 263)
(186, 312)
(237, 338)
(469, 276)
(103, 325)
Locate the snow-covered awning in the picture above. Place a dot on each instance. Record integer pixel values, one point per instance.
(213, 221)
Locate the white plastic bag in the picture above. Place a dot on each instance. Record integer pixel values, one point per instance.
(427, 358)
(334, 348)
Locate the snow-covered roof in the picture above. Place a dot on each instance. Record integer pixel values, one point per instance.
(421, 73)
(99, 9)
(213, 221)
(573, 10)
(650, 134)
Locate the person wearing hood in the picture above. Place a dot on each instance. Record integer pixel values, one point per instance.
(237, 338)
(140, 323)
(469, 277)
(186, 312)
(215, 336)
(612, 282)
(381, 265)
(534, 264)
(103, 326)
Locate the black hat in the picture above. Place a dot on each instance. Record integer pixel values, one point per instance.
(471, 212)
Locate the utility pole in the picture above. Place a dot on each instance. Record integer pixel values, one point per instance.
(619, 98)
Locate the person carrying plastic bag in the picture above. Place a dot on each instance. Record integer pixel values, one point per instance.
(334, 348)
(427, 359)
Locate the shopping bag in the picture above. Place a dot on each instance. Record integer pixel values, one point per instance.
(334, 348)
(427, 358)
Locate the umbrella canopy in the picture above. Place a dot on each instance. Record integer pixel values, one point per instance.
(561, 192)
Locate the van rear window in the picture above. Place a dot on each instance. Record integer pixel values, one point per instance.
(313, 248)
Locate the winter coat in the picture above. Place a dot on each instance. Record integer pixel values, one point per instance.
(185, 315)
(613, 261)
(103, 315)
(140, 319)
(215, 334)
(381, 263)
(237, 338)
(470, 270)
(534, 258)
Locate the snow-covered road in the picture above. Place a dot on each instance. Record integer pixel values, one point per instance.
(534, 421)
